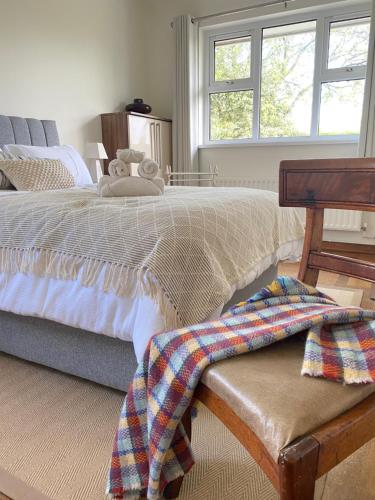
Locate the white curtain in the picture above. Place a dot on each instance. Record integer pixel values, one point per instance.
(367, 137)
(185, 114)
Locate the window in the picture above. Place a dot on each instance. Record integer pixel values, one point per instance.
(287, 77)
(343, 77)
(302, 79)
(233, 59)
(231, 115)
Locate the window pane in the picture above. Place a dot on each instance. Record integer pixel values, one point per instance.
(348, 43)
(341, 107)
(232, 59)
(231, 115)
(287, 80)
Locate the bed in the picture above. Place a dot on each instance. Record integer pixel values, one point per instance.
(83, 319)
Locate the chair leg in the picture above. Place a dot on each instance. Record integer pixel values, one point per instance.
(313, 241)
(172, 490)
(297, 469)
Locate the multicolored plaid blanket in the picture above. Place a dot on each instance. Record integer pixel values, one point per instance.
(151, 447)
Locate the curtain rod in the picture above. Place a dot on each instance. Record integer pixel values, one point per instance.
(244, 9)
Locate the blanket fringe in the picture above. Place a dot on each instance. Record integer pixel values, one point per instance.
(113, 278)
(349, 379)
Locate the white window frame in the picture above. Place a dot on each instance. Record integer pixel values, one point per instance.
(322, 74)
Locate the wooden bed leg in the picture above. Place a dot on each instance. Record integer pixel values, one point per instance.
(172, 490)
(297, 469)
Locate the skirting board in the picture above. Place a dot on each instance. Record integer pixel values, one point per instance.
(17, 488)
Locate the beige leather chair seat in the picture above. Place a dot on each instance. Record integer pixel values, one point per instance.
(266, 390)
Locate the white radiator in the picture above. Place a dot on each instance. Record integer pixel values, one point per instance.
(343, 220)
(267, 184)
(334, 220)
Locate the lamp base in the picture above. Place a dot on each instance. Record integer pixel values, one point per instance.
(96, 170)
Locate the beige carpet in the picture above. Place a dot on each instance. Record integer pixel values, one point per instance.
(56, 436)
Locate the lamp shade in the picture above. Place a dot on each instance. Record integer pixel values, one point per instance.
(95, 151)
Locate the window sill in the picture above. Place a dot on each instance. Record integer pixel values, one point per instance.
(276, 143)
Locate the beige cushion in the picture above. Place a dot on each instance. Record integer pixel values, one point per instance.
(266, 390)
(37, 175)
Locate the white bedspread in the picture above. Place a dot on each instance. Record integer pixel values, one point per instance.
(129, 318)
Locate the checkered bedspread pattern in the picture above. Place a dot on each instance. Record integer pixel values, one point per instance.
(151, 447)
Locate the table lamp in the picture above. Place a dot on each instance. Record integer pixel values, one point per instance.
(95, 152)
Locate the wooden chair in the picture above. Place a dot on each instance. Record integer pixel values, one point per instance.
(298, 428)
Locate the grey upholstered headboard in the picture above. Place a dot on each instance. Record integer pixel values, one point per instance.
(15, 130)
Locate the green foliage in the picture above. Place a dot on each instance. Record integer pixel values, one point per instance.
(280, 92)
(232, 112)
(232, 60)
(348, 44)
(231, 115)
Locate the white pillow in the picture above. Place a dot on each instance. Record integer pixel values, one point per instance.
(4, 155)
(66, 154)
(4, 181)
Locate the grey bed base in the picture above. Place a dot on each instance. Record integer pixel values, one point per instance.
(101, 359)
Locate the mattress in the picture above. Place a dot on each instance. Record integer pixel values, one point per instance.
(96, 309)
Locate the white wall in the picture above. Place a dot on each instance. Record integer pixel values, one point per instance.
(71, 60)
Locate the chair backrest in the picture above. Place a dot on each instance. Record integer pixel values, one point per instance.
(343, 184)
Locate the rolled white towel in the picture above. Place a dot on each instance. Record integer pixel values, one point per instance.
(159, 183)
(103, 181)
(130, 155)
(117, 168)
(128, 186)
(148, 169)
(112, 167)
